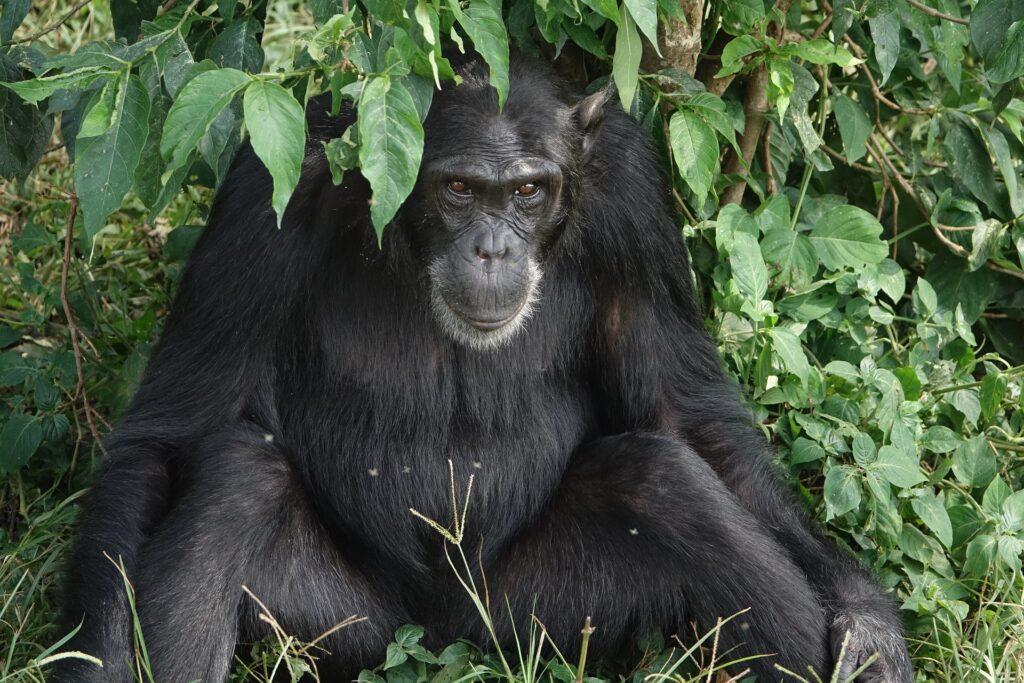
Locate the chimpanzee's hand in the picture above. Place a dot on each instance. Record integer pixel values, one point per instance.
(870, 634)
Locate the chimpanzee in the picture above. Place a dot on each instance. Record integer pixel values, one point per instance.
(530, 317)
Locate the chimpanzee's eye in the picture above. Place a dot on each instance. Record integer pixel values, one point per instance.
(458, 187)
(526, 190)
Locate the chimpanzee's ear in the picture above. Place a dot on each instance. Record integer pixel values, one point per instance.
(590, 111)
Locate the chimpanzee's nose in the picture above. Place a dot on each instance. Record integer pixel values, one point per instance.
(490, 247)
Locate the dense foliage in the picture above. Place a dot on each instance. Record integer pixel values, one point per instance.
(848, 176)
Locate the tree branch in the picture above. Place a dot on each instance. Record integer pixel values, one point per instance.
(755, 106)
(937, 14)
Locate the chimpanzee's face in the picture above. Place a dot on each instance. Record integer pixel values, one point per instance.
(493, 192)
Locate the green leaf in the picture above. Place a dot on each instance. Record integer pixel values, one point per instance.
(968, 403)
(931, 511)
(970, 163)
(391, 146)
(19, 439)
(12, 13)
(695, 149)
(848, 237)
(822, 51)
(854, 126)
(981, 553)
(885, 33)
(645, 14)
(237, 46)
(1006, 164)
(974, 463)
(788, 346)
(805, 450)
(24, 129)
(793, 254)
(842, 490)
(1009, 61)
(939, 439)
(864, 451)
(396, 656)
(993, 389)
(781, 84)
(37, 89)
(955, 284)
(626, 60)
(734, 52)
(277, 128)
(105, 164)
(193, 112)
(897, 467)
(742, 16)
(989, 22)
(482, 21)
(408, 635)
(713, 109)
(748, 268)
(1013, 511)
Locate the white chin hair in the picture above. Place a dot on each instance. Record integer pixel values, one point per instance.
(483, 340)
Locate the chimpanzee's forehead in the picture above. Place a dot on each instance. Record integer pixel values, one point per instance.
(494, 137)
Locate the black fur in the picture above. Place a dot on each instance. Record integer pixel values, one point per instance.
(303, 397)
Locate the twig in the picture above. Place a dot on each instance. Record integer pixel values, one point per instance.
(52, 27)
(766, 159)
(80, 391)
(876, 91)
(852, 164)
(937, 14)
(825, 23)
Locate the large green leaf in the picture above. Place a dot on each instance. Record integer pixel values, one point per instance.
(842, 490)
(974, 463)
(19, 439)
(193, 112)
(748, 268)
(390, 146)
(848, 237)
(1009, 61)
(971, 163)
(24, 129)
(482, 21)
(695, 149)
(854, 126)
(626, 60)
(277, 129)
(885, 32)
(792, 253)
(237, 47)
(105, 164)
(36, 89)
(897, 467)
(645, 14)
(990, 20)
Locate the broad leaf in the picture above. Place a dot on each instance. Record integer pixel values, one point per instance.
(626, 60)
(277, 128)
(391, 146)
(695, 149)
(848, 237)
(194, 111)
(105, 164)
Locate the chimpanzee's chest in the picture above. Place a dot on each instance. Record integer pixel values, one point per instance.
(384, 449)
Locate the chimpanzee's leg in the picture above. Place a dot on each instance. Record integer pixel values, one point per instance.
(241, 518)
(643, 535)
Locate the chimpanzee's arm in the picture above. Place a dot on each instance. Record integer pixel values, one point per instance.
(662, 372)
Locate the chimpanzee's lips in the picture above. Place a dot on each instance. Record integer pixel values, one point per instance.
(491, 325)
